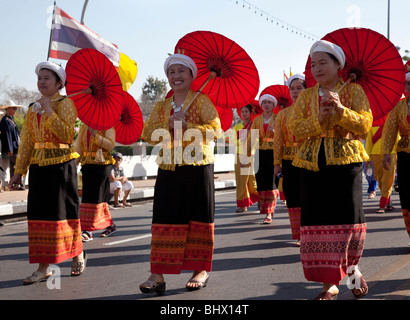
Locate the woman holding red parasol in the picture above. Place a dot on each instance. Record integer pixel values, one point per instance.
(54, 229)
(331, 117)
(285, 148)
(398, 122)
(94, 147)
(265, 178)
(246, 189)
(183, 210)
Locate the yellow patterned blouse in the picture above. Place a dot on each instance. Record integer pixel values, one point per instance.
(265, 139)
(204, 126)
(47, 140)
(92, 148)
(341, 134)
(396, 122)
(285, 145)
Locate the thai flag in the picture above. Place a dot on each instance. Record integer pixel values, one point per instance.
(68, 36)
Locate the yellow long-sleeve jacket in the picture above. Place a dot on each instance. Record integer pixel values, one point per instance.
(194, 146)
(285, 145)
(396, 123)
(265, 140)
(341, 134)
(88, 150)
(47, 141)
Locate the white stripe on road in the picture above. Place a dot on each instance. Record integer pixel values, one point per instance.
(127, 240)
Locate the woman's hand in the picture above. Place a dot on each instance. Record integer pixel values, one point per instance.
(178, 116)
(329, 104)
(386, 161)
(16, 179)
(46, 105)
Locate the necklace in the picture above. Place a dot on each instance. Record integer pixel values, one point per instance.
(174, 106)
(266, 121)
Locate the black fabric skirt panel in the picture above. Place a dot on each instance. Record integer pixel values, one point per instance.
(265, 178)
(53, 192)
(332, 195)
(403, 178)
(96, 183)
(186, 194)
(291, 184)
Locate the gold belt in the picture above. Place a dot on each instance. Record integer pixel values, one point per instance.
(334, 134)
(51, 145)
(93, 154)
(267, 139)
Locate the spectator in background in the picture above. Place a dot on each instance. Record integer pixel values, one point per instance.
(10, 138)
(119, 182)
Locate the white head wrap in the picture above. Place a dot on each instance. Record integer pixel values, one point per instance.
(182, 59)
(268, 97)
(295, 76)
(326, 46)
(407, 76)
(54, 67)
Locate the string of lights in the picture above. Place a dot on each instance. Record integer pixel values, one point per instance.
(275, 21)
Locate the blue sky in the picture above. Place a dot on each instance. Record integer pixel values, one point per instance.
(147, 30)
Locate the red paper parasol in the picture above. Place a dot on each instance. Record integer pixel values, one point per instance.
(95, 87)
(129, 128)
(226, 117)
(376, 63)
(281, 93)
(256, 110)
(226, 74)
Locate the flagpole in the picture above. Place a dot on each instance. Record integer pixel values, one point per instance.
(51, 31)
(83, 13)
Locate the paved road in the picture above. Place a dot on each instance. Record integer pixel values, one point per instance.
(252, 261)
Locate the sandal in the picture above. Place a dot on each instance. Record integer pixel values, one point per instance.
(150, 286)
(201, 283)
(37, 276)
(380, 210)
(241, 210)
(86, 236)
(109, 231)
(363, 287)
(78, 268)
(127, 204)
(119, 205)
(267, 221)
(326, 295)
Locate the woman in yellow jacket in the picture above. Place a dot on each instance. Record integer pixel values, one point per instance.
(398, 122)
(331, 117)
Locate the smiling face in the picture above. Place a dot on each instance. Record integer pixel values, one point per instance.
(325, 70)
(48, 83)
(179, 78)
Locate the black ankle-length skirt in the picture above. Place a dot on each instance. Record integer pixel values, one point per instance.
(94, 212)
(183, 220)
(54, 231)
(333, 227)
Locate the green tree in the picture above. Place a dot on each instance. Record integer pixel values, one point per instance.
(153, 90)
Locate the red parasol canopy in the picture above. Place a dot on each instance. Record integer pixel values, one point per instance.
(100, 105)
(377, 64)
(129, 128)
(235, 79)
(256, 110)
(226, 117)
(281, 93)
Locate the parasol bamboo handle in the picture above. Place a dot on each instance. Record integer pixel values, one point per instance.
(86, 91)
(212, 75)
